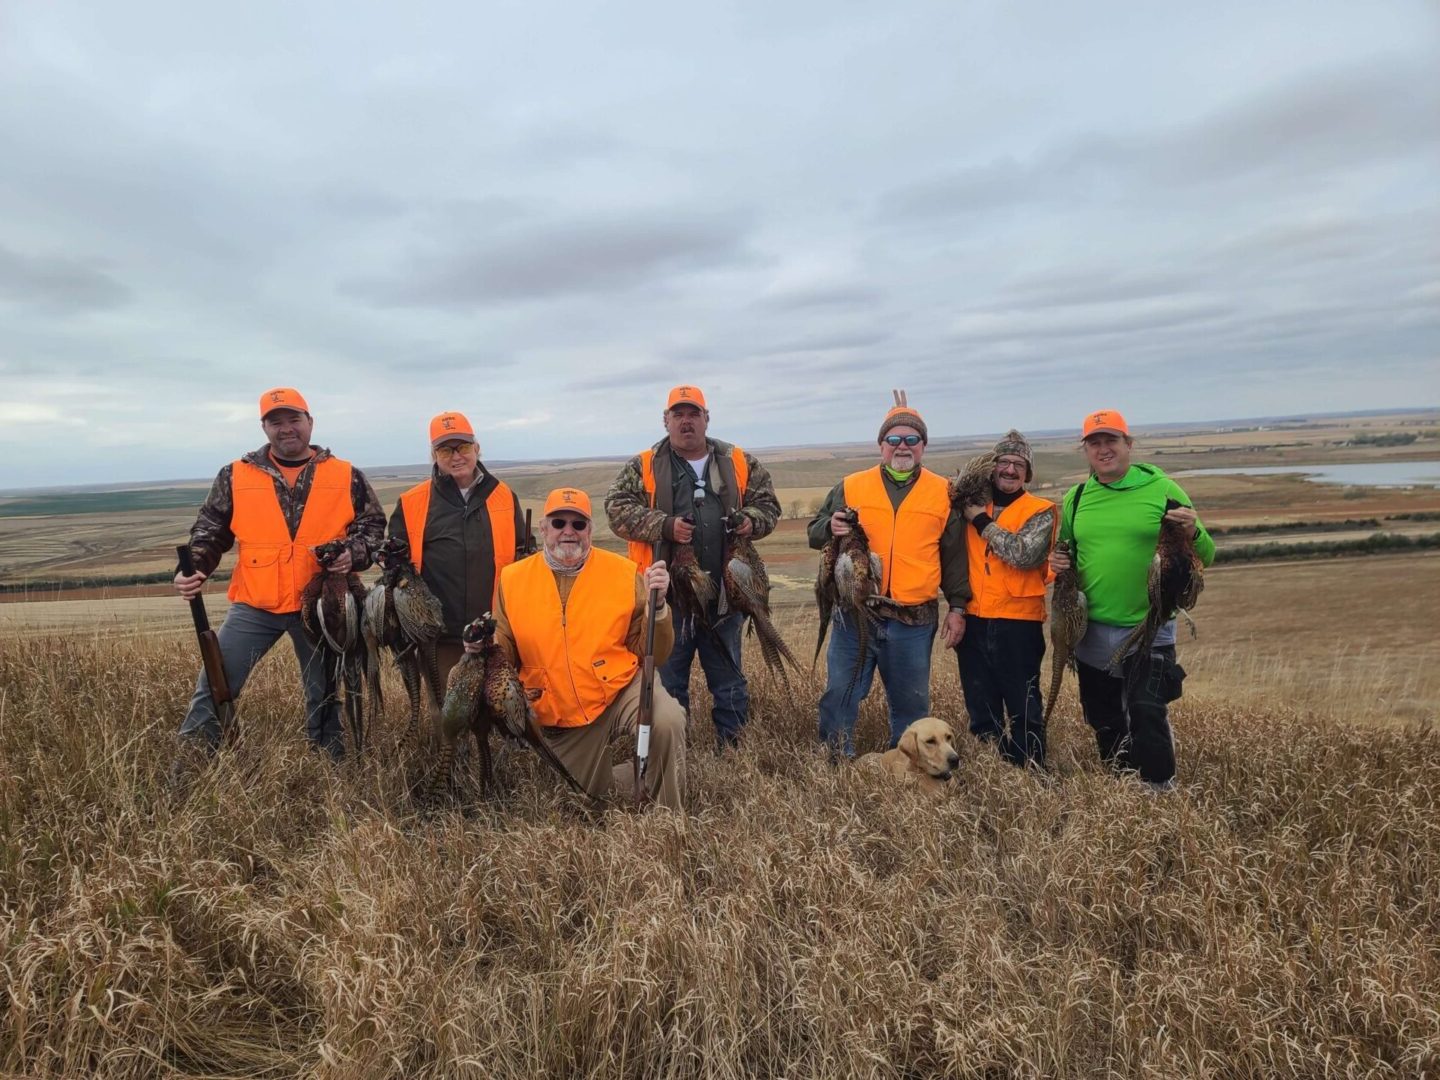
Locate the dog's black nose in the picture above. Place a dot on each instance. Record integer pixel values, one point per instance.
(953, 759)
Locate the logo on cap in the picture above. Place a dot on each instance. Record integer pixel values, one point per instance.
(276, 396)
(567, 496)
(447, 422)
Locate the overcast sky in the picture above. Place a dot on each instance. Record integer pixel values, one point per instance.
(545, 214)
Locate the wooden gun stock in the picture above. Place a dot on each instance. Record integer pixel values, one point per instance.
(210, 655)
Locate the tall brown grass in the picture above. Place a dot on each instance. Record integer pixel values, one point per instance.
(1278, 916)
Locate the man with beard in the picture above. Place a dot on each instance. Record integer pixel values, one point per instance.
(1009, 540)
(571, 618)
(905, 511)
(278, 503)
(688, 489)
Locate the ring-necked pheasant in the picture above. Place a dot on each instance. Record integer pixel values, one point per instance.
(402, 614)
(1176, 578)
(485, 694)
(747, 588)
(1069, 617)
(849, 577)
(330, 607)
(971, 485)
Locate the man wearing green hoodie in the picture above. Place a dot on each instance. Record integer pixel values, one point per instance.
(1112, 523)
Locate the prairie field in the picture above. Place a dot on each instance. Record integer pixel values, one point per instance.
(282, 917)
(274, 915)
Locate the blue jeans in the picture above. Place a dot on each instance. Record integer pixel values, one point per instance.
(902, 655)
(246, 635)
(719, 650)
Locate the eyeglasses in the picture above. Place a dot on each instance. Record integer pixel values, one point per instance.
(908, 440)
(577, 524)
(1010, 463)
(445, 453)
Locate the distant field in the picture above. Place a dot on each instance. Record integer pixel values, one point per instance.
(85, 537)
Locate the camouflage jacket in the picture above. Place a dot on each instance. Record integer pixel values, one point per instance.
(632, 517)
(211, 536)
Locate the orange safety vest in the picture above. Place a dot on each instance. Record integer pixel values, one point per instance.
(999, 590)
(640, 551)
(500, 505)
(272, 569)
(575, 655)
(907, 542)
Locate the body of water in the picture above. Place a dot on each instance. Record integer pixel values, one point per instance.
(1369, 474)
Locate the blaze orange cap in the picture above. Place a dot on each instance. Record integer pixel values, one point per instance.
(282, 397)
(448, 427)
(1106, 420)
(685, 395)
(567, 499)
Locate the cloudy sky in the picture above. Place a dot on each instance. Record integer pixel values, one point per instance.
(546, 213)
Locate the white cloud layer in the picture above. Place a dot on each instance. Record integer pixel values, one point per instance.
(546, 214)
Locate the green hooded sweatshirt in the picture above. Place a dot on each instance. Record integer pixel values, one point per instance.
(1114, 534)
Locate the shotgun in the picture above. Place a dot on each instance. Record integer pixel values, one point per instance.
(647, 688)
(210, 655)
(526, 544)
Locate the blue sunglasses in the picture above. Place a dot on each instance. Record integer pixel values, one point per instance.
(908, 440)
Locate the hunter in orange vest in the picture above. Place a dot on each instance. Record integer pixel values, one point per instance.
(463, 526)
(277, 504)
(689, 493)
(1010, 540)
(572, 619)
(905, 511)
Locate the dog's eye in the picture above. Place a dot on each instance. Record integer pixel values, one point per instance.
(930, 741)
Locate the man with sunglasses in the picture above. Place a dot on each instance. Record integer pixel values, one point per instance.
(278, 503)
(572, 619)
(1009, 545)
(692, 489)
(906, 514)
(463, 526)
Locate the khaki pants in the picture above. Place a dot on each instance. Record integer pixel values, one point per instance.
(586, 750)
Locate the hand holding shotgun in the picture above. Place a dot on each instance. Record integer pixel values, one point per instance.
(188, 584)
(657, 580)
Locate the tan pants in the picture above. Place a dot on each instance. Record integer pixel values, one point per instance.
(586, 750)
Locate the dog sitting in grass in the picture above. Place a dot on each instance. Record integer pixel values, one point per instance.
(925, 755)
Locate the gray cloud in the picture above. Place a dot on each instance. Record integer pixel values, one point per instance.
(59, 284)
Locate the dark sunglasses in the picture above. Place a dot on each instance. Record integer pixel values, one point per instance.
(578, 524)
(908, 440)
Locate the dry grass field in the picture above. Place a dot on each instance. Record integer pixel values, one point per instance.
(1275, 917)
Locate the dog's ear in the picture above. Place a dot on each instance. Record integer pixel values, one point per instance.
(910, 744)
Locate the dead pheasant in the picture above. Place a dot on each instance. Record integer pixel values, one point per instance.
(849, 577)
(1176, 578)
(1069, 617)
(692, 589)
(747, 588)
(402, 614)
(330, 609)
(971, 485)
(485, 694)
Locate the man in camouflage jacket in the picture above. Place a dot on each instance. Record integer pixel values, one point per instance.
(258, 614)
(685, 492)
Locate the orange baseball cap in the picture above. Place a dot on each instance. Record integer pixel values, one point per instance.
(448, 427)
(282, 397)
(685, 395)
(567, 499)
(1106, 420)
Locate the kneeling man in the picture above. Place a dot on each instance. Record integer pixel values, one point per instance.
(572, 619)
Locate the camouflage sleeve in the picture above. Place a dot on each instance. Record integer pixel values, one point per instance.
(955, 561)
(367, 532)
(759, 503)
(210, 536)
(627, 505)
(819, 528)
(1026, 549)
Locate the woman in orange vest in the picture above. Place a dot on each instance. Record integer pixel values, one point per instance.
(571, 618)
(278, 503)
(1009, 540)
(463, 526)
(905, 511)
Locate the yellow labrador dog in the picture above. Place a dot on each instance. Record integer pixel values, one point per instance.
(926, 754)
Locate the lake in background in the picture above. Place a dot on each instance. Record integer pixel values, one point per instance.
(1369, 474)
